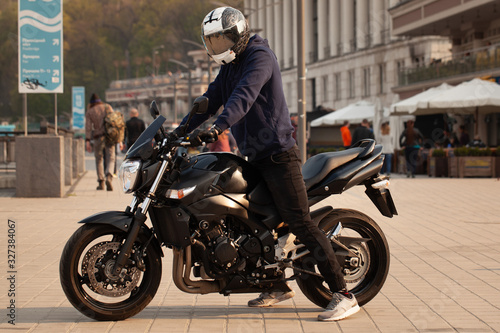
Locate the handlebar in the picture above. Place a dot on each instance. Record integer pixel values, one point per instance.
(182, 142)
(189, 144)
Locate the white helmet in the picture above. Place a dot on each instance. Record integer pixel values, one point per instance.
(225, 34)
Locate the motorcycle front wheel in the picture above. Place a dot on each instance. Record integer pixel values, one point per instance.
(86, 267)
(364, 273)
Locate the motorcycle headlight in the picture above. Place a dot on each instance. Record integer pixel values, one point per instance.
(128, 174)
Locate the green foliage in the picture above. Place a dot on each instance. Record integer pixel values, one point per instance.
(9, 97)
(472, 151)
(103, 41)
(438, 153)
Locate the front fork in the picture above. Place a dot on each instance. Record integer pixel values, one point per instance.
(138, 220)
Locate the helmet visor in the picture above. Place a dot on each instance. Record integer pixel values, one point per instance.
(221, 41)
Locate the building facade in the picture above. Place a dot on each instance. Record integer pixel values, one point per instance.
(351, 54)
(373, 50)
(473, 27)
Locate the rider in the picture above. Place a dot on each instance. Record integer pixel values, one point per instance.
(249, 86)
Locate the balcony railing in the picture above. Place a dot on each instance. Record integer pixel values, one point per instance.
(476, 60)
(313, 56)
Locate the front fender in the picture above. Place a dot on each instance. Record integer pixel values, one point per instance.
(118, 219)
(122, 221)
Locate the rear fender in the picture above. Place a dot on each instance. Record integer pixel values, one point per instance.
(122, 221)
(382, 199)
(318, 214)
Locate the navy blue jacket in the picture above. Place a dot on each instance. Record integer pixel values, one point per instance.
(251, 91)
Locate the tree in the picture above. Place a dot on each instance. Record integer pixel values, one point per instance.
(98, 35)
(9, 99)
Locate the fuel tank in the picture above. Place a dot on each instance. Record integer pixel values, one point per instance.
(225, 172)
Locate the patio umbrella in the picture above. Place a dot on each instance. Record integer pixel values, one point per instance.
(418, 101)
(471, 97)
(355, 113)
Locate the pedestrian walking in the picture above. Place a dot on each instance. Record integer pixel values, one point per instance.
(133, 127)
(411, 139)
(363, 131)
(346, 134)
(387, 142)
(103, 151)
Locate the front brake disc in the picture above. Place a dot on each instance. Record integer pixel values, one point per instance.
(98, 265)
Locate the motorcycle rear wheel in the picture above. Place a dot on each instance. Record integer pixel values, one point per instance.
(84, 272)
(365, 280)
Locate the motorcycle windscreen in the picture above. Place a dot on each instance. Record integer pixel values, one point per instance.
(143, 146)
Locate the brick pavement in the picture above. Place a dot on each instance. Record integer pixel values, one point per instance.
(444, 275)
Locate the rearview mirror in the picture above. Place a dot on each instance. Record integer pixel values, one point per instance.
(201, 104)
(154, 110)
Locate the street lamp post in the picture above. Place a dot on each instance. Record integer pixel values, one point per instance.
(208, 57)
(190, 100)
(175, 100)
(155, 51)
(301, 81)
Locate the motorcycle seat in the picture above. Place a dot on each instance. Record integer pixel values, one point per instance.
(319, 166)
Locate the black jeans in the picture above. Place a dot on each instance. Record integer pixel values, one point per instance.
(282, 173)
(411, 155)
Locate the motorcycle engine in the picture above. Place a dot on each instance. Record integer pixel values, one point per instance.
(222, 250)
(225, 253)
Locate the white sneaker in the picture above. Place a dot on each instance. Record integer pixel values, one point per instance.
(340, 307)
(268, 299)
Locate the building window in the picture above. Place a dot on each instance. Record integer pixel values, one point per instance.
(314, 92)
(325, 89)
(366, 82)
(337, 87)
(311, 94)
(351, 84)
(381, 78)
(289, 91)
(399, 73)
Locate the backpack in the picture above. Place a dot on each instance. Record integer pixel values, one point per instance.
(114, 126)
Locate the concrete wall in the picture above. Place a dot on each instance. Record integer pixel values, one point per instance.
(72, 158)
(78, 157)
(11, 151)
(7, 151)
(3, 152)
(68, 160)
(40, 167)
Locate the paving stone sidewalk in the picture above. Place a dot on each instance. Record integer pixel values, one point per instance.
(444, 275)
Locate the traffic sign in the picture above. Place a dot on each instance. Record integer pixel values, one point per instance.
(40, 46)
(78, 107)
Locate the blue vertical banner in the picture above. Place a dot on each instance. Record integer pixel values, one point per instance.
(40, 46)
(78, 107)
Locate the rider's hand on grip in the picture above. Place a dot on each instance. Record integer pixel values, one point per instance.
(197, 137)
(176, 133)
(194, 138)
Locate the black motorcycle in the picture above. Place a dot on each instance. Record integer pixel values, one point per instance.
(216, 214)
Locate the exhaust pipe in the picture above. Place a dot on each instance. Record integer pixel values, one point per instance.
(181, 272)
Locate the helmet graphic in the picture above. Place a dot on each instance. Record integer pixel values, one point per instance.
(225, 34)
